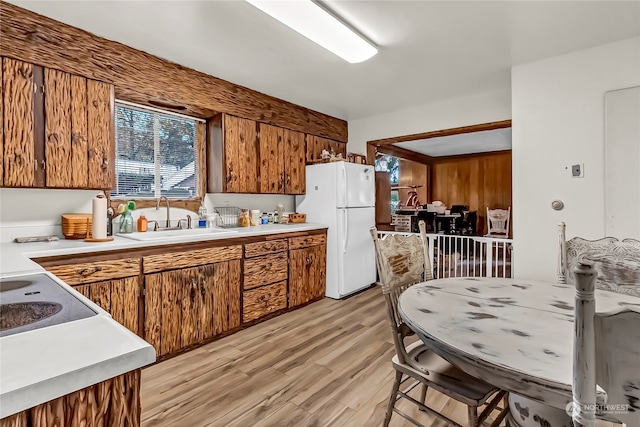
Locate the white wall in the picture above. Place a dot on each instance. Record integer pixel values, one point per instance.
(558, 120)
(445, 114)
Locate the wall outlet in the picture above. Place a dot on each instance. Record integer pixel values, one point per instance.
(577, 170)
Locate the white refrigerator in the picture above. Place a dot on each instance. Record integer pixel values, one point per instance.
(341, 195)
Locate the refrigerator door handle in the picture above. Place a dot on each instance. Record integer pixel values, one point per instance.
(346, 232)
(345, 189)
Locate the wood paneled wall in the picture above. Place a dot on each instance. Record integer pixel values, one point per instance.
(478, 180)
(412, 173)
(143, 78)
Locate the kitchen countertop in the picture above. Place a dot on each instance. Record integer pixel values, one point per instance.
(46, 363)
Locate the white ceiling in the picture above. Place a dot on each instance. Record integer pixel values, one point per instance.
(428, 50)
(466, 143)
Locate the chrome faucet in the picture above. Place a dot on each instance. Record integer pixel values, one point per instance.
(158, 207)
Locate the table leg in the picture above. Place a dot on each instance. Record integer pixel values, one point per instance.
(529, 413)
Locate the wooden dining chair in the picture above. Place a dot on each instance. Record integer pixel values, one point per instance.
(606, 353)
(402, 260)
(617, 262)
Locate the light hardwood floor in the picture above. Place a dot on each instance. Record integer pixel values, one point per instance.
(327, 364)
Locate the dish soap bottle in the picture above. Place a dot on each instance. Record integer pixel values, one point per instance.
(202, 216)
(142, 223)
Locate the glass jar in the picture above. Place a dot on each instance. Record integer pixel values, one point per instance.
(126, 223)
(243, 218)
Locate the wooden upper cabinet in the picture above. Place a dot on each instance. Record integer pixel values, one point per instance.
(18, 94)
(294, 162)
(241, 153)
(101, 133)
(316, 144)
(246, 156)
(272, 159)
(58, 129)
(282, 162)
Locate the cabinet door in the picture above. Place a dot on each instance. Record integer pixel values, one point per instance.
(100, 122)
(294, 162)
(241, 155)
(119, 297)
(272, 158)
(187, 306)
(307, 274)
(301, 276)
(57, 110)
(19, 135)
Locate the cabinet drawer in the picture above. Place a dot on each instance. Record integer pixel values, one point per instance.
(96, 271)
(261, 301)
(306, 241)
(265, 248)
(265, 269)
(175, 260)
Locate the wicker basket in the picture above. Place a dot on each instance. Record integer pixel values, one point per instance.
(297, 218)
(76, 226)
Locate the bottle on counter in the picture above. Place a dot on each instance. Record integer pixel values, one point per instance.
(142, 223)
(265, 218)
(276, 217)
(270, 218)
(202, 216)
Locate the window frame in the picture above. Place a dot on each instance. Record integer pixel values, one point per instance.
(192, 204)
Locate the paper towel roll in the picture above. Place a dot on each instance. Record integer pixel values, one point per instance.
(99, 217)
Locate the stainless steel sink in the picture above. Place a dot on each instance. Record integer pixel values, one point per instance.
(36, 301)
(172, 234)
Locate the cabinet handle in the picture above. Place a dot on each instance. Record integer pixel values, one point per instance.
(43, 164)
(105, 163)
(88, 271)
(35, 164)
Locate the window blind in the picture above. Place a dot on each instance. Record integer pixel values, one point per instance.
(155, 154)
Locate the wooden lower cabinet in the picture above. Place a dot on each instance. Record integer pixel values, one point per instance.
(118, 297)
(114, 402)
(307, 273)
(184, 307)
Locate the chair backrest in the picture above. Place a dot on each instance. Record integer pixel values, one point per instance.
(498, 221)
(403, 261)
(616, 262)
(610, 342)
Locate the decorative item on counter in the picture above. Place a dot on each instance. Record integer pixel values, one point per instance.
(99, 217)
(126, 220)
(142, 223)
(280, 209)
(265, 218)
(243, 218)
(255, 217)
(76, 226)
(202, 216)
(325, 155)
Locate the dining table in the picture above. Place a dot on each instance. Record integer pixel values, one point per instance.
(515, 334)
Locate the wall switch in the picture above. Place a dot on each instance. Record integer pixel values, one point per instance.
(577, 171)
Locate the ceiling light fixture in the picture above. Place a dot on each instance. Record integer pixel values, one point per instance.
(319, 26)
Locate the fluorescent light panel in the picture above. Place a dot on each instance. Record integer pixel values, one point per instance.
(319, 26)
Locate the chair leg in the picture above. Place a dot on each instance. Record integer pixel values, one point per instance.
(473, 416)
(423, 395)
(392, 398)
